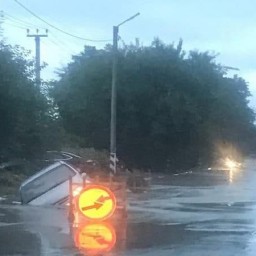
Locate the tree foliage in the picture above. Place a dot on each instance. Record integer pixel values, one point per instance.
(24, 110)
(172, 107)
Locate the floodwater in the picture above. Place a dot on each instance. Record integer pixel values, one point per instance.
(195, 213)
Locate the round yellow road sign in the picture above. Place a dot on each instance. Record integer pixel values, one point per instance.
(96, 202)
(95, 238)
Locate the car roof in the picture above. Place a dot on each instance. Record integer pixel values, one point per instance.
(45, 170)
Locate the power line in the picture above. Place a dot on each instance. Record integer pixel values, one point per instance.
(17, 24)
(20, 21)
(62, 53)
(62, 31)
(61, 46)
(62, 43)
(11, 21)
(14, 25)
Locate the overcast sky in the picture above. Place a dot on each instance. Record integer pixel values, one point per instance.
(227, 27)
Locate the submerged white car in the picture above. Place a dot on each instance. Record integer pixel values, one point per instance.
(50, 186)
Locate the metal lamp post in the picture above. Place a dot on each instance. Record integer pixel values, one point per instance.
(113, 158)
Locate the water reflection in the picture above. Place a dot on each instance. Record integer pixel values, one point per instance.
(100, 238)
(233, 167)
(231, 173)
(234, 174)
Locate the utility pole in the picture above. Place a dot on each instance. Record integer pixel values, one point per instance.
(113, 158)
(113, 102)
(37, 37)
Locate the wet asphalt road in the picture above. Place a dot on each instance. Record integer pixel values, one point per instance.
(196, 214)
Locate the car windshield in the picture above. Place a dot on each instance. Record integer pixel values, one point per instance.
(46, 182)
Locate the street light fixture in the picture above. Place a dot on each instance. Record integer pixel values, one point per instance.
(113, 95)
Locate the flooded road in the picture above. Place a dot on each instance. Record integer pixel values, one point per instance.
(196, 213)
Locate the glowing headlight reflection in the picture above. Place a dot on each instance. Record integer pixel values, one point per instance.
(230, 176)
(231, 164)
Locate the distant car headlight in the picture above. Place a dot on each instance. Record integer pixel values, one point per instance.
(232, 164)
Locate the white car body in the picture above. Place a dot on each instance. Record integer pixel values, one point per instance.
(50, 186)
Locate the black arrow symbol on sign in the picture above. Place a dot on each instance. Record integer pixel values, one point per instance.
(97, 204)
(99, 238)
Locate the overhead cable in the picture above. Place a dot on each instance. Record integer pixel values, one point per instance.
(60, 30)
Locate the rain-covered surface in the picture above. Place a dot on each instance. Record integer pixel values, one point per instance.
(196, 213)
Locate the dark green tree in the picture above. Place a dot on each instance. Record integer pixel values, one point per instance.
(172, 106)
(23, 108)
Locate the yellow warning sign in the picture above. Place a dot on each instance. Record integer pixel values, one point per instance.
(96, 202)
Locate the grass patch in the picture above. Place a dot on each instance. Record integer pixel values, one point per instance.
(10, 182)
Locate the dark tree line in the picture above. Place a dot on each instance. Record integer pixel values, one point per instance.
(26, 119)
(173, 107)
